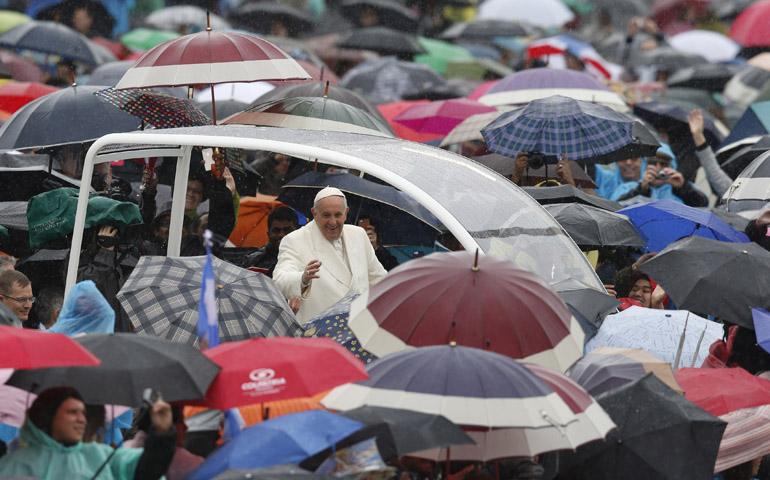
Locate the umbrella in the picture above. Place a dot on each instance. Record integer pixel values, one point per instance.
(276, 472)
(388, 13)
(659, 332)
(592, 424)
(404, 220)
(668, 59)
(470, 129)
(226, 108)
(590, 303)
(753, 183)
(484, 303)
(333, 323)
(569, 194)
(242, 92)
(761, 319)
(54, 38)
(318, 89)
(267, 369)
(440, 116)
(746, 86)
(713, 46)
(673, 120)
(12, 18)
(661, 435)
(232, 57)
(14, 95)
(23, 183)
(505, 166)
(553, 50)
(388, 79)
(560, 126)
(286, 439)
(25, 349)
(22, 70)
(754, 121)
(185, 18)
(748, 27)
(545, 13)
(129, 364)
(469, 386)
(440, 53)
(524, 86)
(260, 18)
(391, 110)
(249, 304)
(70, 115)
(13, 215)
(719, 278)
(664, 221)
(142, 39)
(745, 438)
(111, 73)
(705, 76)
(607, 368)
(156, 108)
(737, 161)
(487, 29)
(471, 69)
(595, 227)
(723, 390)
(382, 40)
(312, 113)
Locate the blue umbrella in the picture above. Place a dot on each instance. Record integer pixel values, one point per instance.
(665, 221)
(755, 121)
(286, 439)
(761, 319)
(560, 125)
(333, 323)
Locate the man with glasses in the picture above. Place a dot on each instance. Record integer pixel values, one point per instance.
(16, 293)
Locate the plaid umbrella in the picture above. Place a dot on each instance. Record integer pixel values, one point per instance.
(333, 323)
(161, 298)
(560, 125)
(159, 109)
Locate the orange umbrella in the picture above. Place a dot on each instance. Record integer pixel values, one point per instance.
(251, 228)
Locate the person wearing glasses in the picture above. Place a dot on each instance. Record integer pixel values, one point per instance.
(16, 293)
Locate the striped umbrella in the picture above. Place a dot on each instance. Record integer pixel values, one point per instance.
(753, 183)
(560, 125)
(746, 437)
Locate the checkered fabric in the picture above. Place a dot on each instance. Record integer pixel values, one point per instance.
(161, 298)
(559, 125)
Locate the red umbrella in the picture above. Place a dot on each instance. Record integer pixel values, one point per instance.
(391, 110)
(750, 27)
(267, 369)
(24, 349)
(318, 74)
(210, 57)
(22, 69)
(14, 95)
(440, 116)
(486, 303)
(723, 390)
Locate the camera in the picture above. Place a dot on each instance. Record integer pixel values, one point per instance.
(537, 160)
(150, 396)
(661, 175)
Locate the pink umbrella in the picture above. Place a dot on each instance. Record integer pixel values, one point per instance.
(209, 58)
(21, 69)
(482, 89)
(440, 116)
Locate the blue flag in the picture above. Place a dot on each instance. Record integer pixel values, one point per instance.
(208, 324)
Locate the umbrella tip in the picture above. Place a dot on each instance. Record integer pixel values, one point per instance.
(208, 21)
(452, 341)
(475, 267)
(74, 83)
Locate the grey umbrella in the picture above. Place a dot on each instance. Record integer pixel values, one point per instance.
(592, 304)
(387, 79)
(590, 226)
(318, 89)
(383, 40)
(569, 194)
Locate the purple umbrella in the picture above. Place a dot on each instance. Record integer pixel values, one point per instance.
(440, 116)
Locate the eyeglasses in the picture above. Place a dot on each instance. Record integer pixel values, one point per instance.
(660, 162)
(21, 300)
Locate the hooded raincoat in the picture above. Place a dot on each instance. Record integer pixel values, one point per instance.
(85, 310)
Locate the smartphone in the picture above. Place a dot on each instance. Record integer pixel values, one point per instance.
(363, 223)
(150, 396)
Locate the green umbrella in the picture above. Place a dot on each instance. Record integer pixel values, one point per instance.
(581, 7)
(479, 68)
(52, 214)
(10, 19)
(145, 38)
(440, 53)
(4, 236)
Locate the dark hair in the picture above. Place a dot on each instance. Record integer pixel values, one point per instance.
(282, 214)
(9, 278)
(48, 301)
(746, 353)
(45, 406)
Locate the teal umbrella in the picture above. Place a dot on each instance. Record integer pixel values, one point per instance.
(440, 53)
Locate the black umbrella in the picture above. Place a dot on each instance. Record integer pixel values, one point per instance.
(400, 219)
(487, 29)
(669, 59)
(673, 120)
(661, 435)
(569, 194)
(384, 80)
(591, 226)
(592, 305)
(13, 215)
(103, 22)
(130, 364)
(71, 115)
(733, 219)
(54, 38)
(741, 159)
(259, 18)
(277, 472)
(705, 76)
(23, 183)
(382, 40)
(318, 89)
(225, 108)
(719, 278)
(389, 13)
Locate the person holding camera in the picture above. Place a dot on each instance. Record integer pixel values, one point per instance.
(526, 161)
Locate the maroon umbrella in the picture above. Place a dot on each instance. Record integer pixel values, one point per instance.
(482, 303)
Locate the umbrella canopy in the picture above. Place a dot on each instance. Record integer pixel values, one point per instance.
(23, 183)
(129, 364)
(713, 46)
(267, 369)
(673, 120)
(748, 27)
(487, 29)
(54, 38)
(546, 13)
(506, 166)
(723, 390)
(664, 221)
(569, 194)
(661, 435)
(474, 70)
(141, 39)
(745, 438)
(12, 18)
(607, 368)
(668, 59)
(753, 183)
(754, 121)
(261, 18)
(559, 126)
(242, 92)
(483, 303)
(249, 304)
(382, 40)
(24, 349)
(387, 79)
(388, 14)
(470, 129)
(706, 76)
(286, 439)
(524, 86)
(276, 472)
(251, 227)
(593, 305)
(14, 95)
(735, 160)
(659, 332)
(440, 116)
(313, 113)
(333, 323)
(761, 318)
(440, 53)
(185, 18)
(403, 219)
(468, 386)
(156, 108)
(746, 85)
(70, 115)
(719, 278)
(318, 89)
(591, 226)
(22, 70)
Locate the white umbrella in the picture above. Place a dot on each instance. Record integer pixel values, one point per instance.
(545, 13)
(713, 46)
(659, 332)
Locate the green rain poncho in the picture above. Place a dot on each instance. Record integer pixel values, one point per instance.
(43, 457)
